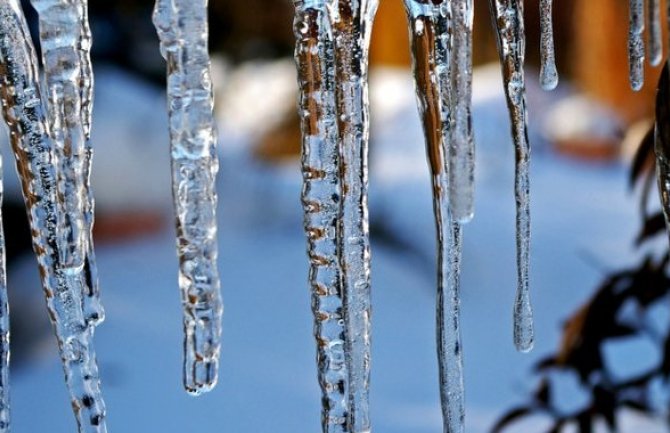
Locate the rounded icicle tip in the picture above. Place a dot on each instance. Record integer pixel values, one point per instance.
(524, 331)
(549, 77)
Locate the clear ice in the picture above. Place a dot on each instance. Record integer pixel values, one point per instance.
(183, 33)
(548, 72)
(35, 161)
(636, 44)
(321, 199)
(655, 32)
(508, 20)
(65, 40)
(461, 141)
(351, 22)
(431, 28)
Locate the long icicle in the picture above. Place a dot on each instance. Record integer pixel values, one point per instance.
(662, 143)
(508, 21)
(33, 149)
(548, 72)
(65, 41)
(636, 44)
(430, 27)
(183, 32)
(321, 196)
(351, 22)
(462, 143)
(93, 309)
(655, 32)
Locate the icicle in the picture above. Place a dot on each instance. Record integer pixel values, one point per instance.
(65, 41)
(548, 72)
(662, 143)
(351, 22)
(183, 32)
(461, 143)
(655, 32)
(321, 197)
(636, 44)
(508, 20)
(430, 31)
(25, 117)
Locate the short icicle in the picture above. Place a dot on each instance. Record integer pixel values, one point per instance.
(321, 196)
(351, 22)
(429, 30)
(654, 32)
(508, 21)
(183, 33)
(548, 72)
(636, 44)
(662, 143)
(461, 142)
(65, 40)
(29, 135)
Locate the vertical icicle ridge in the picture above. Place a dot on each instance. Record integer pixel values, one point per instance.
(431, 28)
(66, 41)
(636, 44)
(508, 21)
(183, 33)
(35, 157)
(351, 22)
(548, 72)
(321, 196)
(461, 141)
(655, 32)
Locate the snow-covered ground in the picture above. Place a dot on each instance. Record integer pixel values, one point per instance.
(268, 375)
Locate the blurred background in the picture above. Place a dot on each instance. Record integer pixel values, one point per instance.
(598, 270)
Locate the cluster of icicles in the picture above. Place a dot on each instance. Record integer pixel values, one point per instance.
(50, 126)
(50, 137)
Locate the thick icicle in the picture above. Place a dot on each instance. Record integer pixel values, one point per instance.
(183, 32)
(430, 26)
(461, 142)
(33, 149)
(65, 40)
(636, 44)
(321, 196)
(655, 32)
(548, 72)
(351, 22)
(662, 143)
(508, 20)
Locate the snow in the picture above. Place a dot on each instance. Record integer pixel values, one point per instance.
(268, 374)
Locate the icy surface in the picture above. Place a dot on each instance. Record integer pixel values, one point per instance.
(426, 24)
(636, 44)
(35, 153)
(548, 72)
(321, 196)
(352, 28)
(183, 32)
(461, 143)
(511, 45)
(65, 40)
